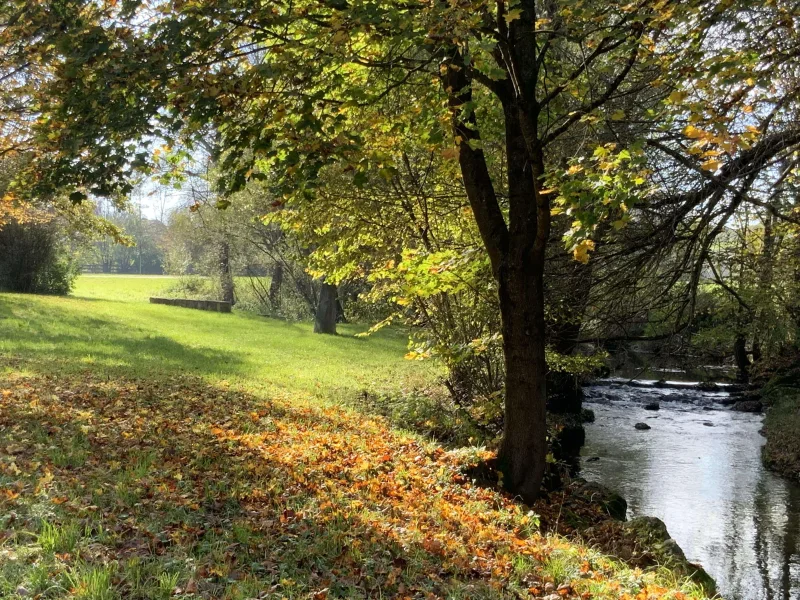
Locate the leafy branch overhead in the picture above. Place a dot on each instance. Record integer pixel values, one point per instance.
(643, 125)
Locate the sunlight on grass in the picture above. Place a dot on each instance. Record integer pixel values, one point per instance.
(155, 452)
(109, 327)
(199, 491)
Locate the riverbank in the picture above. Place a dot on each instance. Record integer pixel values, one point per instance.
(595, 515)
(781, 397)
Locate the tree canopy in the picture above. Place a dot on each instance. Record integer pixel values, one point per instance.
(630, 129)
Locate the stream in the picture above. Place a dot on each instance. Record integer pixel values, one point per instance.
(699, 470)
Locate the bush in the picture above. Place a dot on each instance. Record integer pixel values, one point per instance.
(35, 258)
(194, 287)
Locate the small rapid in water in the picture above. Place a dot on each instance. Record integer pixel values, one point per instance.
(698, 468)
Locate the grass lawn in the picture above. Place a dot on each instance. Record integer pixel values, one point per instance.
(149, 451)
(108, 327)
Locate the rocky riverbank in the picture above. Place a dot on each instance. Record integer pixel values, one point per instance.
(781, 398)
(598, 517)
(594, 515)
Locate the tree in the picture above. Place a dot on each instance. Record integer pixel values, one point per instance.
(286, 85)
(325, 315)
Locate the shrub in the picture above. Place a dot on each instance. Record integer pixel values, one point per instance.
(194, 287)
(35, 258)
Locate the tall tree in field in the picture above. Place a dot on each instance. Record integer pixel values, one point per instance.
(573, 89)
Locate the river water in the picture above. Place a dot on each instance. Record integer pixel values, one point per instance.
(699, 470)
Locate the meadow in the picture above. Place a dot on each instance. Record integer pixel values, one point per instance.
(149, 451)
(108, 327)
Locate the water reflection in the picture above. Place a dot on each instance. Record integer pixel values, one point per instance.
(699, 470)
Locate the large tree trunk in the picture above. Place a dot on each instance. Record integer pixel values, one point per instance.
(225, 275)
(523, 451)
(341, 317)
(516, 249)
(325, 317)
(524, 446)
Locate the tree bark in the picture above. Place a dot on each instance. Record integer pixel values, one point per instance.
(225, 275)
(341, 317)
(524, 445)
(523, 450)
(517, 253)
(740, 356)
(325, 316)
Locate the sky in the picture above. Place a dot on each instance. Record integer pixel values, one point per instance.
(158, 201)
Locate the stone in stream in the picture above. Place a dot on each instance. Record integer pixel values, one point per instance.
(749, 406)
(642, 426)
(708, 386)
(596, 493)
(593, 459)
(652, 406)
(708, 423)
(677, 397)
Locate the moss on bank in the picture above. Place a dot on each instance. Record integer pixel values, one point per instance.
(781, 396)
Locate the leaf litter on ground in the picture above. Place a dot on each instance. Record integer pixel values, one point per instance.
(180, 488)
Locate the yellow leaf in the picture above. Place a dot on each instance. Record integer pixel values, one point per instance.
(513, 15)
(712, 164)
(580, 251)
(677, 96)
(693, 132)
(574, 169)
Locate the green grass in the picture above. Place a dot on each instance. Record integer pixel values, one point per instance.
(107, 326)
(124, 288)
(151, 452)
(55, 538)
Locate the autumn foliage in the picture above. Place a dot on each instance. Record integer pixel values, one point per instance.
(241, 496)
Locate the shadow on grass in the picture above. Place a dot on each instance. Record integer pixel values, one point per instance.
(60, 340)
(236, 495)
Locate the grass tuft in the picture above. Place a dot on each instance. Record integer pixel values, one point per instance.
(59, 538)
